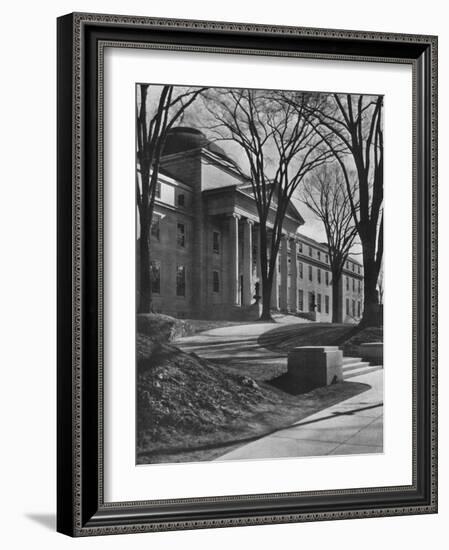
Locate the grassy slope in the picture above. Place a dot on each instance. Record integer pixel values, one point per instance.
(190, 409)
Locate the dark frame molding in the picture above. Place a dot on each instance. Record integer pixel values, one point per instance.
(81, 510)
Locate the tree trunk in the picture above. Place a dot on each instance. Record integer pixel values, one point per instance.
(336, 299)
(370, 300)
(267, 281)
(145, 274)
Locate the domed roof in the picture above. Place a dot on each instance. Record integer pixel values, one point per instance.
(184, 138)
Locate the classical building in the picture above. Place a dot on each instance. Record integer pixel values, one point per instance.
(205, 258)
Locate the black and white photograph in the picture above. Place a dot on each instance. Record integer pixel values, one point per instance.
(259, 273)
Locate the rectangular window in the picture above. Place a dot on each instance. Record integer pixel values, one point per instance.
(347, 306)
(300, 269)
(347, 283)
(215, 281)
(353, 285)
(311, 301)
(360, 286)
(327, 278)
(359, 309)
(300, 247)
(155, 276)
(310, 251)
(310, 273)
(216, 242)
(353, 267)
(181, 236)
(318, 254)
(180, 280)
(318, 274)
(300, 300)
(158, 190)
(353, 308)
(318, 303)
(181, 200)
(326, 303)
(359, 270)
(156, 226)
(326, 258)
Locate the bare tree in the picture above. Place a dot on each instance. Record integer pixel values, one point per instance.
(356, 123)
(326, 195)
(156, 114)
(281, 148)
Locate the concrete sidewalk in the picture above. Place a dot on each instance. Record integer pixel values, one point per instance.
(354, 426)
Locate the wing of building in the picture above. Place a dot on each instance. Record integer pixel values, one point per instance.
(205, 260)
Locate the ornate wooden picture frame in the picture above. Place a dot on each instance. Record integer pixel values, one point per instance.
(81, 508)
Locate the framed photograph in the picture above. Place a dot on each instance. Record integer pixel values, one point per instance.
(246, 274)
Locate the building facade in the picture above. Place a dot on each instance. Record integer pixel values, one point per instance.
(205, 257)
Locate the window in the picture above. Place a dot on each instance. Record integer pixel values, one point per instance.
(359, 309)
(300, 268)
(326, 258)
(311, 301)
(158, 190)
(155, 276)
(181, 236)
(215, 281)
(216, 242)
(318, 254)
(181, 200)
(318, 303)
(327, 278)
(347, 265)
(360, 286)
(156, 226)
(300, 246)
(347, 306)
(347, 283)
(318, 275)
(310, 251)
(310, 273)
(353, 308)
(359, 270)
(180, 280)
(326, 303)
(300, 300)
(353, 285)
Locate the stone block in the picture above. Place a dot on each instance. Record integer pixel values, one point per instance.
(311, 367)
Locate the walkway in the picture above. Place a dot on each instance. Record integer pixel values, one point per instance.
(354, 426)
(238, 344)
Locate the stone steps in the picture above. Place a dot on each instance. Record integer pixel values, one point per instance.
(360, 370)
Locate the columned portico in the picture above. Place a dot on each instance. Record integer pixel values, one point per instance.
(283, 298)
(234, 258)
(294, 277)
(247, 262)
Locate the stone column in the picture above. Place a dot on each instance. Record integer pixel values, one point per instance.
(234, 259)
(284, 274)
(294, 278)
(247, 262)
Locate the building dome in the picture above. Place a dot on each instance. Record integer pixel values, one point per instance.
(184, 138)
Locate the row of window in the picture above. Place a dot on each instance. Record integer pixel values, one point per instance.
(181, 234)
(155, 278)
(355, 305)
(348, 284)
(315, 301)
